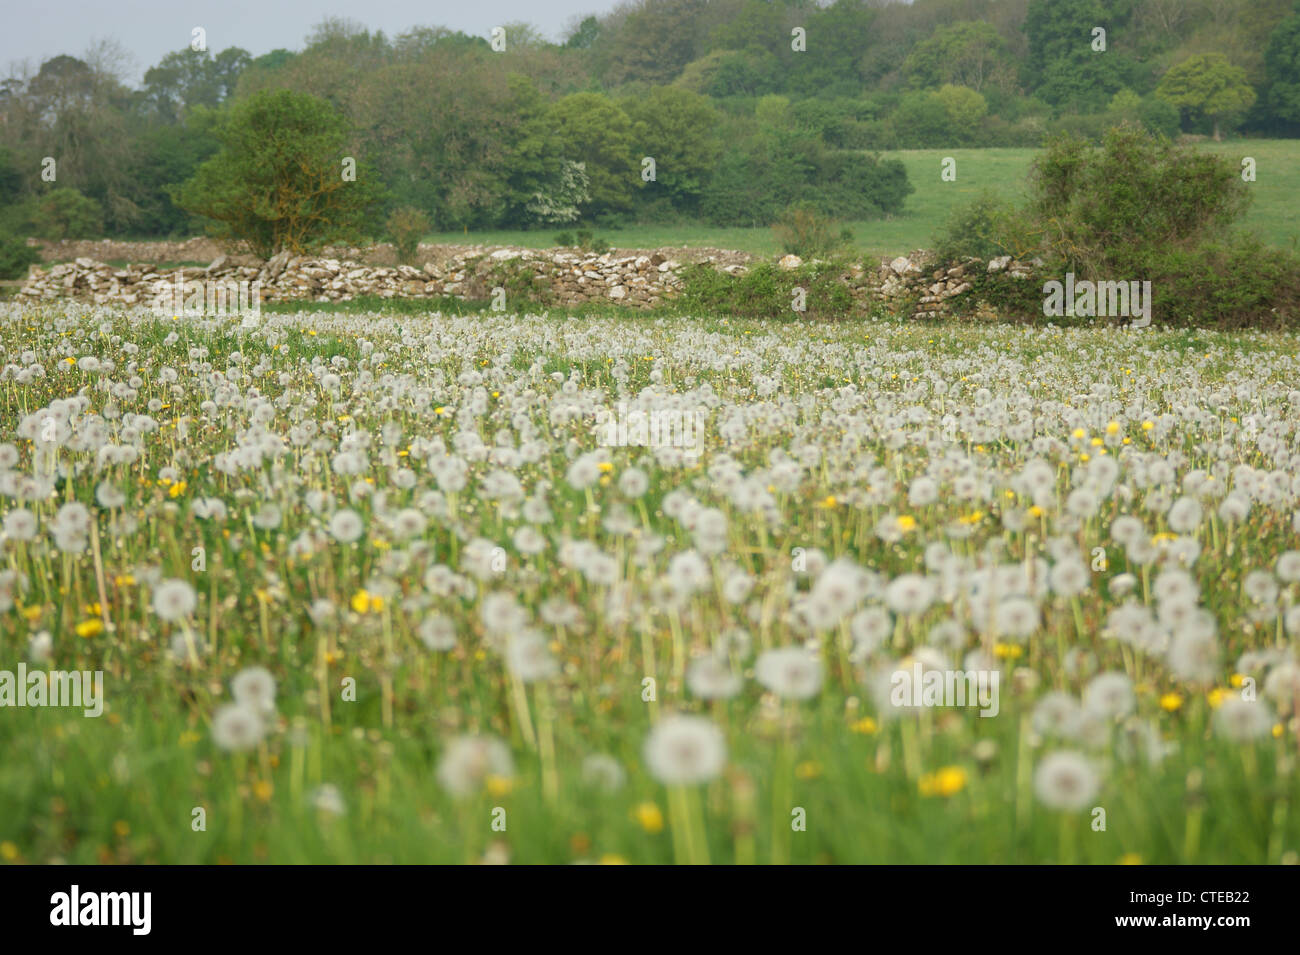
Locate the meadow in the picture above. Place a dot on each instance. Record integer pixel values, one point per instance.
(367, 587)
(1272, 215)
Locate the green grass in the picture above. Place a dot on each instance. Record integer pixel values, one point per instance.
(1274, 214)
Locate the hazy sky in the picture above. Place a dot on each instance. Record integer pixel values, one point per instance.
(35, 30)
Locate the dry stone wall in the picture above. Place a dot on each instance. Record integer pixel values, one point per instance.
(562, 277)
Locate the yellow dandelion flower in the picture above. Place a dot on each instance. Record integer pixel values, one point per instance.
(263, 790)
(90, 628)
(945, 782)
(1130, 858)
(499, 785)
(361, 601)
(1008, 651)
(1171, 702)
(1216, 696)
(1236, 680)
(649, 817)
(866, 726)
(906, 522)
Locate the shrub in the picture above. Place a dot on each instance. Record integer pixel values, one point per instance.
(407, 226)
(66, 214)
(1108, 208)
(988, 227)
(16, 256)
(766, 291)
(802, 231)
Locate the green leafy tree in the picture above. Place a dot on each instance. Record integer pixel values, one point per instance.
(1061, 66)
(677, 129)
(921, 122)
(968, 53)
(65, 213)
(189, 78)
(279, 180)
(595, 131)
(1282, 66)
(965, 109)
(1210, 86)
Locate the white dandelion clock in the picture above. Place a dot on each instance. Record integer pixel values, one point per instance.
(1066, 780)
(1109, 695)
(1241, 721)
(469, 761)
(254, 687)
(712, 678)
(790, 672)
(346, 526)
(237, 726)
(529, 658)
(684, 750)
(174, 599)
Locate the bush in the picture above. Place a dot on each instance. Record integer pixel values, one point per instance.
(803, 232)
(16, 256)
(1141, 208)
(407, 226)
(758, 179)
(66, 214)
(988, 227)
(1108, 209)
(766, 291)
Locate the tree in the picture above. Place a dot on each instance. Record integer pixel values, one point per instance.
(676, 128)
(584, 34)
(595, 131)
(189, 78)
(1208, 85)
(560, 200)
(651, 44)
(965, 108)
(965, 54)
(1062, 66)
(1282, 67)
(280, 181)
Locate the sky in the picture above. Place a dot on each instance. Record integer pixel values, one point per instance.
(36, 30)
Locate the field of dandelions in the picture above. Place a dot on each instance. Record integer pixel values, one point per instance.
(368, 587)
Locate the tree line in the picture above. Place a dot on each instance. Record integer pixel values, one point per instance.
(729, 112)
